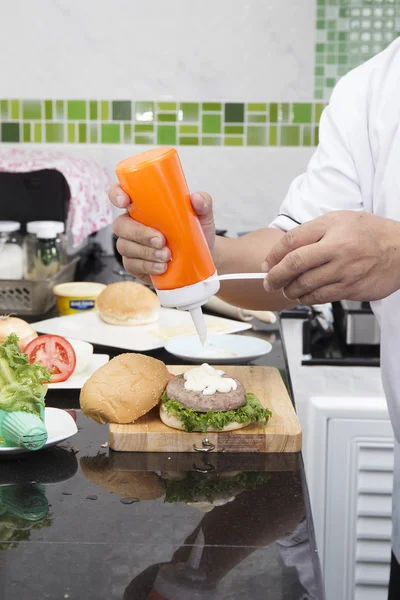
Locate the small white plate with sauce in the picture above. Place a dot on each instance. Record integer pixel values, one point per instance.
(218, 349)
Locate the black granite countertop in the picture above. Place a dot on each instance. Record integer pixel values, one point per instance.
(79, 521)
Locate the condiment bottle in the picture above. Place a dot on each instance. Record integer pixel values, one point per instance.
(30, 244)
(47, 261)
(155, 182)
(11, 253)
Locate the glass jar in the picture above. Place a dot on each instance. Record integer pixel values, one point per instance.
(47, 258)
(11, 252)
(30, 244)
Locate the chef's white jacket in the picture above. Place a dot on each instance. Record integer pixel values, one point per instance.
(357, 167)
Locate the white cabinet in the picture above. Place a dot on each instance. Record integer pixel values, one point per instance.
(350, 477)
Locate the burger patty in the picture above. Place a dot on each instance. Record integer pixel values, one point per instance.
(220, 401)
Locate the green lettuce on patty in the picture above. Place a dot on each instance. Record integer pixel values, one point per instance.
(251, 412)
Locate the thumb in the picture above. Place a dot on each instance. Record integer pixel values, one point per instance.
(202, 205)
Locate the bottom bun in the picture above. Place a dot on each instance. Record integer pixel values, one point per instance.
(175, 423)
(139, 320)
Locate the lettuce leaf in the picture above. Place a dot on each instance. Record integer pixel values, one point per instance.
(22, 386)
(194, 486)
(251, 412)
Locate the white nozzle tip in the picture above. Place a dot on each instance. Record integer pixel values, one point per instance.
(199, 323)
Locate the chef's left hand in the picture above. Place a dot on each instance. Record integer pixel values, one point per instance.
(341, 255)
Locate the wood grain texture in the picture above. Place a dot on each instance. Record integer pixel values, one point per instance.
(281, 434)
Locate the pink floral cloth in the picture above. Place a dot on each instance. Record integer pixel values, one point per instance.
(89, 207)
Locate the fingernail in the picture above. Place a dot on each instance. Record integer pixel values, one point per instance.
(161, 254)
(120, 200)
(156, 242)
(267, 287)
(265, 267)
(160, 267)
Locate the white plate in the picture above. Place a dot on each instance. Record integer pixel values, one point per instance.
(60, 426)
(244, 349)
(76, 381)
(172, 323)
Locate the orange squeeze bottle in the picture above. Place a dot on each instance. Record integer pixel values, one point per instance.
(155, 182)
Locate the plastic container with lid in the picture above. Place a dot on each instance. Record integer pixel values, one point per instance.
(77, 296)
(33, 229)
(155, 182)
(11, 252)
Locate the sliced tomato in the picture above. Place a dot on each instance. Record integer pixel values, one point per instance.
(55, 353)
(171, 376)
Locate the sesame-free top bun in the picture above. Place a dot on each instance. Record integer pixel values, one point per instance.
(124, 389)
(128, 303)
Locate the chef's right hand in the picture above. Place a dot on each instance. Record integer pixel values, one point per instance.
(143, 249)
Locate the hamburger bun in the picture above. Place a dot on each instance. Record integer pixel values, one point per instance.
(128, 303)
(175, 423)
(142, 485)
(124, 389)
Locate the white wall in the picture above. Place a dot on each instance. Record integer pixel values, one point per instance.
(227, 50)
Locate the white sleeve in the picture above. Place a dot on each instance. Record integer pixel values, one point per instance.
(340, 173)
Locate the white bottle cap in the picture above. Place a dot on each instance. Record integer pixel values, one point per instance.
(9, 226)
(46, 233)
(35, 226)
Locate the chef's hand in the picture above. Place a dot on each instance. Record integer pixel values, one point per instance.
(341, 255)
(143, 249)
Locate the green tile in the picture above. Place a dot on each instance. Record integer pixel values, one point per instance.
(302, 113)
(121, 110)
(10, 132)
(254, 107)
(4, 109)
(290, 135)
(93, 110)
(166, 118)
(31, 110)
(332, 36)
(104, 110)
(342, 47)
(211, 106)
(234, 129)
(330, 82)
(27, 132)
(320, 47)
(76, 110)
(60, 109)
(319, 95)
(233, 141)
(321, 2)
(319, 71)
(54, 132)
(15, 109)
(82, 133)
(256, 136)
(110, 133)
(189, 141)
(321, 13)
(144, 128)
(210, 141)
(166, 105)
(189, 111)
(189, 129)
(166, 134)
(320, 59)
(331, 24)
(144, 139)
(144, 111)
(316, 136)
(343, 36)
(234, 113)
(343, 59)
(256, 118)
(211, 124)
(71, 133)
(321, 24)
(127, 133)
(273, 113)
(331, 59)
(284, 113)
(37, 133)
(308, 139)
(318, 109)
(48, 110)
(94, 134)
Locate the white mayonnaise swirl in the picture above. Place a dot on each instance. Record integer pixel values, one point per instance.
(208, 380)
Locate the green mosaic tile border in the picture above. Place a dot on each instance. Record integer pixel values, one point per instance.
(349, 32)
(160, 123)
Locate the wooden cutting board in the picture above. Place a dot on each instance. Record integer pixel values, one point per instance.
(281, 434)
